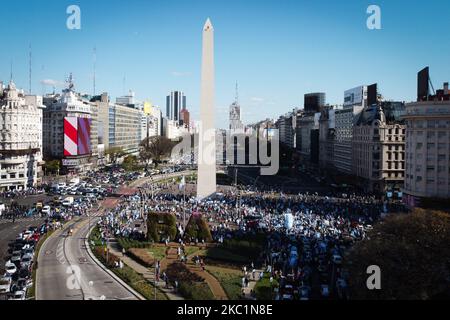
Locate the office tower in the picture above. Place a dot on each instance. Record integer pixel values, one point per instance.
(175, 102)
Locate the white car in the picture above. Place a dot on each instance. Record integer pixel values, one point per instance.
(18, 295)
(66, 203)
(5, 284)
(46, 210)
(10, 268)
(27, 234)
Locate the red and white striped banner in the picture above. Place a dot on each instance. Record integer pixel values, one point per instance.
(70, 136)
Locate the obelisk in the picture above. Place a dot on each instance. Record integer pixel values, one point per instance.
(206, 175)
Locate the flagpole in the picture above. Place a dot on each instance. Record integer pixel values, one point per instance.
(184, 206)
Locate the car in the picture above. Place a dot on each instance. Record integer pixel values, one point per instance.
(287, 297)
(27, 234)
(325, 291)
(46, 210)
(10, 268)
(26, 261)
(18, 295)
(24, 283)
(5, 284)
(337, 259)
(16, 258)
(24, 273)
(28, 251)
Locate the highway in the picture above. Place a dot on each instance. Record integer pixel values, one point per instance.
(67, 272)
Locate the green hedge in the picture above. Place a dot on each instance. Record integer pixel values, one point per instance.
(126, 243)
(161, 226)
(197, 228)
(195, 291)
(263, 289)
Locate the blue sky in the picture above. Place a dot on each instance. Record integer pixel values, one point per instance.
(276, 50)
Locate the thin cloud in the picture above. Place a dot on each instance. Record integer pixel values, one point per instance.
(257, 99)
(51, 82)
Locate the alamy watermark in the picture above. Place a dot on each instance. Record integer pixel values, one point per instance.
(374, 20)
(259, 148)
(374, 280)
(73, 281)
(74, 20)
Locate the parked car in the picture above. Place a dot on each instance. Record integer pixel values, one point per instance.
(18, 295)
(5, 284)
(10, 268)
(26, 261)
(24, 283)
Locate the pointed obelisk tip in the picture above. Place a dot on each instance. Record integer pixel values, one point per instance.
(208, 25)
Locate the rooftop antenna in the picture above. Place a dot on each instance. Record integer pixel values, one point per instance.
(11, 75)
(237, 94)
(95, 63)
(123, 86)
(29, 75)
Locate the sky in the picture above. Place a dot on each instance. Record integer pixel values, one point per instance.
(276, 50)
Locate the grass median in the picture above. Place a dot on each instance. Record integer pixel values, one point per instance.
(127, 274)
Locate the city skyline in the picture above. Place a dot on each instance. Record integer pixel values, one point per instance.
(138, 46)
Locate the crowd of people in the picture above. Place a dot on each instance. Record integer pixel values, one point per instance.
(303, 252)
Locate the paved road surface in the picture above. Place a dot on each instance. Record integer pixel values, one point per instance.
(60, 256)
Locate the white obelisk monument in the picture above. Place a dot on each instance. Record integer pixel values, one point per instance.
(206, 178)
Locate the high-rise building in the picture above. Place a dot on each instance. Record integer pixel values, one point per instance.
(125, 127)
(20, 138)
(67, 129)
(313, 102)
(427, 145)
(185, 118)
(355, 100)
(235, 124)
(326, 139)
(379, 147)
(175, 102)
(286, 127)
(155, 122)
(127, 99)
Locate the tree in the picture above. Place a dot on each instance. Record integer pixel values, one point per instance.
(413, 253)
(52, 166)
(130, 163)
(155, 148)
(197, 228)
(114, 153)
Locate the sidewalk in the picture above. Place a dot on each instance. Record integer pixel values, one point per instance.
(251, 285)
(213, 283)
(147, 273)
